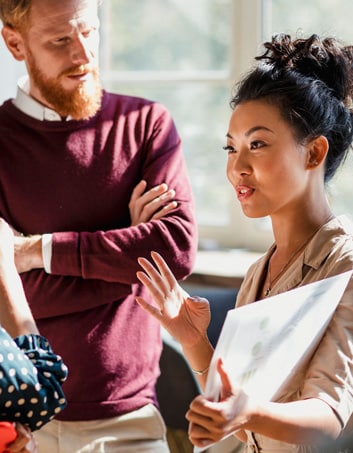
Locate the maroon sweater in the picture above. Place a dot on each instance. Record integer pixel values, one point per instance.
(74, 179)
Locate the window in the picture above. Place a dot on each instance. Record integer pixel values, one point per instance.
(188, 55)
(326, 18)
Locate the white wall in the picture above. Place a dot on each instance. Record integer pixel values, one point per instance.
(10, 71)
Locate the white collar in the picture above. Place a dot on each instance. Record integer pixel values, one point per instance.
(30, 106)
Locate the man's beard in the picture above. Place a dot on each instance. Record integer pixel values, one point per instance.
(82, 102)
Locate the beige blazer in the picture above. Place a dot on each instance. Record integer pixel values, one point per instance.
(328, 373)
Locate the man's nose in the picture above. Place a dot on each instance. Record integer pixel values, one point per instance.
(81, 53)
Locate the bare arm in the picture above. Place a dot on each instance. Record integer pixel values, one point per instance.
(309, 421)
(15, 314)
(185, 318)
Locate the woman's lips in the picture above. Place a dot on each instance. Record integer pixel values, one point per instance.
(244, 192)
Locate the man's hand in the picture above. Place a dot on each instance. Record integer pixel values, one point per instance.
(150, 205)
(143, 206)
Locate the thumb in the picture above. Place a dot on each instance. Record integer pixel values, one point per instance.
(138, 190)
(196, 303)
(226, 385)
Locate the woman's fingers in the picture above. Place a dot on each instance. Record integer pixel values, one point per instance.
(152, 289)
(152, 279)
(159, 276)
(155, 312)
(199, 436)
(202, 426)
(226, 387)
(164, 270)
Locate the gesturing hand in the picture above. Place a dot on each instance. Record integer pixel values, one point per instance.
(185, 318)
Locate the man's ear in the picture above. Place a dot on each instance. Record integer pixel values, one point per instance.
(317, 150)
(14, 42)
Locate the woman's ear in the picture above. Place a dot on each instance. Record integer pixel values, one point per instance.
(14, 42)
(317, 150)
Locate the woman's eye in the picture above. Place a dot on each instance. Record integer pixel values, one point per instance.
(229, 149)
(256, 144)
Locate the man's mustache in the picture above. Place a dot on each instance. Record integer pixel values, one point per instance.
(78, 70)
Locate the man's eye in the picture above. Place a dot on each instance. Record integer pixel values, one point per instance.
(61, 41)
(87, 33)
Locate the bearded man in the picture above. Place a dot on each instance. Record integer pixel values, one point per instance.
(90, 181)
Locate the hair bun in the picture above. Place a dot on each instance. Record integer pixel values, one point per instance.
(327, 60)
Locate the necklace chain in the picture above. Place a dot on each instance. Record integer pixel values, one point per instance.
(282, 270)
(287, 263)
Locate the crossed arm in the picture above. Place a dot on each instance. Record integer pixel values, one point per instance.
(144, 206)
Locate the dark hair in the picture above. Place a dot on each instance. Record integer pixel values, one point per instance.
(310, 81)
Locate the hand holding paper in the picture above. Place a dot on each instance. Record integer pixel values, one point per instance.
(262, 344)
(211, 421)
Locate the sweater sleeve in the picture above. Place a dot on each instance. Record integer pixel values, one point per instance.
(30, 380)
(112, 255)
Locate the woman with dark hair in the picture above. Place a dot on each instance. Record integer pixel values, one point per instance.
(290, 130)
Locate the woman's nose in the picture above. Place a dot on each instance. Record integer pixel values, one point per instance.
(238, 163)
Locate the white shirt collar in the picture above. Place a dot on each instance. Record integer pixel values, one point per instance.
(30, 106)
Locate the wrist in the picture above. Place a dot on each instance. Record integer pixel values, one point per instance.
(35, 251)
(199, 355)
(28, 253)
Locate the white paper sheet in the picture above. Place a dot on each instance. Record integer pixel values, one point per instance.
(282, 329)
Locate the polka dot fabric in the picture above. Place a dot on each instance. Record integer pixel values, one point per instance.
(31, 376)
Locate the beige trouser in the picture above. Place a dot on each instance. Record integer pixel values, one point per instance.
(141, 431)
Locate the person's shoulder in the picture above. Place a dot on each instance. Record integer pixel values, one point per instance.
(345, 222)
(8, 106)
(125, 102)
(126, 99)
(338, 239)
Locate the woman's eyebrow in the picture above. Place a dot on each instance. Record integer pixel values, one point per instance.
(257, 128)
(252, 130)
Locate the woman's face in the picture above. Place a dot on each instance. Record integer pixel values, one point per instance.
(266, 165)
